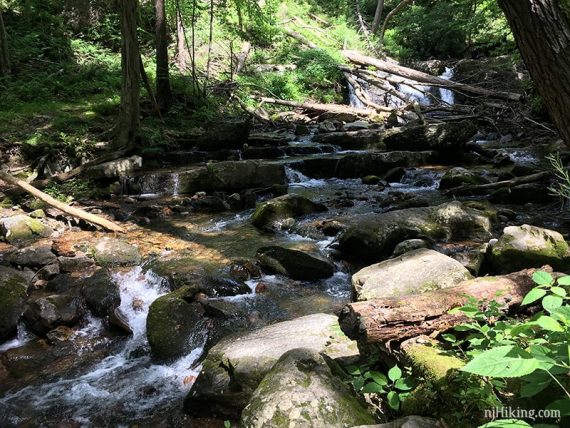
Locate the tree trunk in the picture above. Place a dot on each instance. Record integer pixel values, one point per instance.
(129, 112)
(182, 53)
(72, 211)
(542, 31)
(377, 16)
(482, 189)
(163, 93)
(323, 108)
(389, 17)
(4, 54)
(395, 318)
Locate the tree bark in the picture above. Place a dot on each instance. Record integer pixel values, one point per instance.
(5, 68)
(182, 53)
(418, 76)
(129, 112)
(377, 16)
(72, 211)
(389, 17)
(300, 38)
(482, 189)
(542, 32)
(322, 108)
(382, 320)
(163, 92)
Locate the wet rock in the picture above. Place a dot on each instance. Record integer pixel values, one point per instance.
(235, 366)
(522, 247)
(221, 286)
(395, 175)
(473, 258)
(523, 194)
(21, 229)
(61, 333)
(231, 134)
(276, 138)
(101, 293)
(448, 139)
(209, 204)
(294, 264)
(301, 390)
(356, 125)
(302, 129)
(268, 214)
(32, 257)
(263, 153)
(372, 237)
(328, 126)
(244, 270)
(171, 324)
(62, 284)
(410, 245)
(13, 293)
(110, 252)
(351, 139)
(120, 322)
(414, 272)
(46, 313)
(456, 177)
(371, 180)
(78, 263)
(116, 168)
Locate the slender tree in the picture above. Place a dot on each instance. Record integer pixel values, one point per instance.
(163, 92)
(4, 54)
(542, 31)
(389, 17)
(129, 113)
(377, 16)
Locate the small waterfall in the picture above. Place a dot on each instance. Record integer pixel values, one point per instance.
(353, 99)
(23, 336)
(175, 183)
(297, 178)
(447, 95)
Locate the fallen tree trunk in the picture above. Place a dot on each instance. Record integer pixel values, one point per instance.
(422, 77)
(395, 318)
(74, 212)
(241, 58)
(322, 108)
(361, 95)
(481, 189)
(300, 38)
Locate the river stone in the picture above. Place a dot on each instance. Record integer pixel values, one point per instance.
(235, 366)
(460, 176)
(300, 390)
(352, 138)
(101, 293)
(172, 324)
(414, 272)
(13, 293)
(268, 214)
(522, 247)
(294, 263)
(110, 252)
(21, 229)
(115, 168)
(32, 257)
(410, 245)
(373, 237)
(46, 313)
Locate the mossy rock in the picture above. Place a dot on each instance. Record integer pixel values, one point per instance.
(13, 293)
(522, 247)
(456, 177)
(21, 229)
(171, 324)
(300, 390)
(101, 293)
(269, 213)
(109, 252)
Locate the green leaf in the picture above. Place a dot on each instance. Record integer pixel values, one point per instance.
(533, 388)
(549, 323)
(542, 278)
(506, 423)
(379, 378)
(565, 280)
(562, 405)
(395, 373)
(449, 337)
(353, 370)
(551, 303)
(404, 384)
(559, 291)
(372, 387)
(393, 400)
(358, 383)
(503, 361)
(533, 295)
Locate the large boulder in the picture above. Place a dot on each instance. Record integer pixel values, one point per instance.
(101, 293)
(460, 176)
(111, 252)
(351, 140)
(526, 246)
(236, 365)
(13, 293)
(46, 313)
(414, 272)
(171, 325)
(446, 138)
(294, 264)
(20, 229)
(373, 237)
(268, 214)
(32, 257)
(300, 390)
(116, 168)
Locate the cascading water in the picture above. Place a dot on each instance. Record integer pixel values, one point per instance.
(127, 385)
(447, 95)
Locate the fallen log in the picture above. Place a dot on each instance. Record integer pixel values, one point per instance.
(72, 211)
(399, 318)
(322, 108)
(481, 189)
(422, 77)
(242, 57)
(300, 38)
(361, 95)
